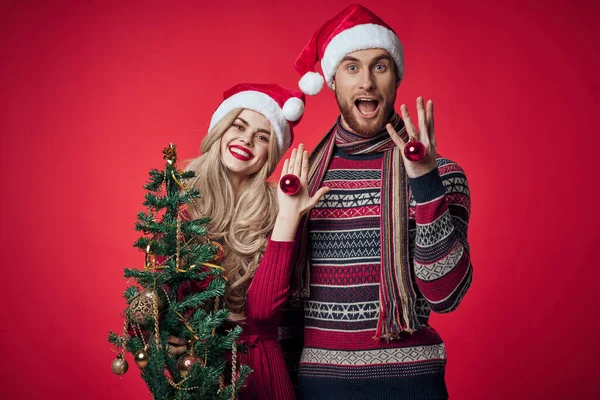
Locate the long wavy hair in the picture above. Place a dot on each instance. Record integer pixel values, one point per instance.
(242, 221)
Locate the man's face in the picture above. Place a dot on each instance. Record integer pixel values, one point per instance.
(365, 86)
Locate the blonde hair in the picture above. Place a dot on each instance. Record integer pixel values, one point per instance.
(242, 221)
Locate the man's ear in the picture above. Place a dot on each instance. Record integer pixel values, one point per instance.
(333, 85)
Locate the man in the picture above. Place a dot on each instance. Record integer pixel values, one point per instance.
(388, 244)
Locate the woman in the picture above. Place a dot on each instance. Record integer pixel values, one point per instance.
(255, 222)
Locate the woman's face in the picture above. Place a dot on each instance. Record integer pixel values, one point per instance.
(245, 144)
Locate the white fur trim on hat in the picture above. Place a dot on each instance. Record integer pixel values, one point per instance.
(311, 83)
(293, 109)
(361, 37)
(261, 103)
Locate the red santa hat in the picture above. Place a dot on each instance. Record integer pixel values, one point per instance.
(283, 108)
(353, 29)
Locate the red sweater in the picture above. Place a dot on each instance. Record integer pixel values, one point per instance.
(264, 300)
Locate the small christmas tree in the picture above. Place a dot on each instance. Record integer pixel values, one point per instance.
(178, 293)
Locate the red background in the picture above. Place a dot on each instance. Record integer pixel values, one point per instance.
(91, 91)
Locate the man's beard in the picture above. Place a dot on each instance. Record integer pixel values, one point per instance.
(368, 128)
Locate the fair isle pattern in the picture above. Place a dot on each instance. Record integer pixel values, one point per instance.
(359, 246)
(466, 281)
(351, 312)
(358, 185)
(327, 213)
(371, 357)
(352, 373)
(457, 185)
(352, 176)
(341, 326)
(434, 232)
(451, 302)
(338, 199)
(331, 255)
(443, 267)
(430, 272)
(423, 309)
(396, 283)
(345, 258)
(334, 275)
(426, 255)
(347, 239)
(461, 226)
(344, 294)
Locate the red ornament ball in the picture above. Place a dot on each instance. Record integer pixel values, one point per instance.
(289, 184)
(414, 150)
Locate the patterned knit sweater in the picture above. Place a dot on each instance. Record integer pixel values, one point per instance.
(341, 359)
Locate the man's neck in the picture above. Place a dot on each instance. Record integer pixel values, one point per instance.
(349, 129)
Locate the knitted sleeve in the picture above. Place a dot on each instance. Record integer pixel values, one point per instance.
(270, 286)
(442, 260)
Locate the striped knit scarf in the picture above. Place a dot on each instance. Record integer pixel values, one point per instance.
(397, 297)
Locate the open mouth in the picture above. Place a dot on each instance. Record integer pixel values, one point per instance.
(240, 153)
(367, 107)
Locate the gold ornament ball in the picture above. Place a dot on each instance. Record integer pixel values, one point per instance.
(185, 364)
(142, 306)
(119, 365)
(150, 295)
(141, 358)
(219, 251)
